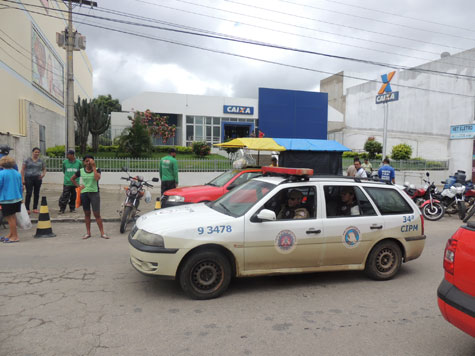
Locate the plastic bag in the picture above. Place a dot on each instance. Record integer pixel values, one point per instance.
(22, 218)
(78, 197)
(148, 197)
(243, 159)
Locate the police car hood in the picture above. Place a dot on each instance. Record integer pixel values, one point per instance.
(182, 217)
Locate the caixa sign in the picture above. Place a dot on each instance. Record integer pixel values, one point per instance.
(242, 110)
(387, 97)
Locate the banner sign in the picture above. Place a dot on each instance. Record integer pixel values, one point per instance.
(462, 131)
(241, 110)
(385, 93)
(47, 70)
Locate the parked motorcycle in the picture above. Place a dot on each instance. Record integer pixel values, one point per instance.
(133, 194)
(418, 195)
(454, 200)
(432, 208)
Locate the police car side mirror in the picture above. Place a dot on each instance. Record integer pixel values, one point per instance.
(266, 215)
(155, 179)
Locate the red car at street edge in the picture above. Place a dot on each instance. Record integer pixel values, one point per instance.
(456, 292)
(209, 191)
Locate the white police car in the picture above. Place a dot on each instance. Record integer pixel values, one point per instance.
(283, 222)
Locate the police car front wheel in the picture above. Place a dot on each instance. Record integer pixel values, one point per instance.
(205, 275)
(384, 261)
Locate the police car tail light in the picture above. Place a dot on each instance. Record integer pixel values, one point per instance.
(288, 171)
(449, 255)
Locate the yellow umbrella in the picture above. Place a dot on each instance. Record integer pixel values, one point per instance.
(257, 144)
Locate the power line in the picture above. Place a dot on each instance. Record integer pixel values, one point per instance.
(372, 19)
(215, 35)
(340, 25)
(253, 58)
(296, 34)
(398, 15)
(300, 27)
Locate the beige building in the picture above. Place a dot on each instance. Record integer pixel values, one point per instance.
(32, 76)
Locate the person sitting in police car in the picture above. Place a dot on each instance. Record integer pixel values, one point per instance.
(349, 205)
(293, 208)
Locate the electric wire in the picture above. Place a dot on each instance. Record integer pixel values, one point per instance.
(373, 19)
(210, 34)
(251, 58)
(300, 35)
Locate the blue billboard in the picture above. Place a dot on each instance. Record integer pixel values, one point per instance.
(293, 113)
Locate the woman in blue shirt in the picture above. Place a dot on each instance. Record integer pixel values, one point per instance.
(11, 196)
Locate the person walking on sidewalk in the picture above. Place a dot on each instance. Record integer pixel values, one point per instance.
(90, 197)
(70, 166)
(169, 171)
(32, 174)
(11, 195)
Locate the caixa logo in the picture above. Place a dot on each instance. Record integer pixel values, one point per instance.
(242, 110)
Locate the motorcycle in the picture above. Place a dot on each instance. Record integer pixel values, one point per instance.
(418, 195)
(133, 194)
(432, 208)
(454, 200)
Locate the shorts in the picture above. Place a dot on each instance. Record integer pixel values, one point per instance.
(91, 199)
(11, 209)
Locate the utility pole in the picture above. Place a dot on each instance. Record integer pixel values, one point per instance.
(71, 41)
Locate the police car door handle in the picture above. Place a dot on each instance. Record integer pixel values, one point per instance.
(313, 231)
(372, 227)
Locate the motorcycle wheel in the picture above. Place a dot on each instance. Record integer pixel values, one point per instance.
(433, 213)
(461, 209)
(469, 213)
(125, 218)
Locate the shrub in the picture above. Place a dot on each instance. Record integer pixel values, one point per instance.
(135, 140)
(373, 147)
(401, 152)
(200, 149)
(56, 151)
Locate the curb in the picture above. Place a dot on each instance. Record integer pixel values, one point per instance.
(69, 220)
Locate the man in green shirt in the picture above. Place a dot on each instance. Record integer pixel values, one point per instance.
(169, 171)
(70, 166)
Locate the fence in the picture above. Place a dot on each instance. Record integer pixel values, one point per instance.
(411, 165)
(54, 164)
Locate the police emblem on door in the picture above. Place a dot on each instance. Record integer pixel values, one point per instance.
(285, 241)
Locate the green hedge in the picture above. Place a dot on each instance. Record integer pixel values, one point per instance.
(58, 151)
(361, 155)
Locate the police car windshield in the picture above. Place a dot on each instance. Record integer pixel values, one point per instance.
(222, 179)
(239, 200)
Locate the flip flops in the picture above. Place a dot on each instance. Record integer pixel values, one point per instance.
(105, 236)
(2, 238)
(85, 237)
(8, 241)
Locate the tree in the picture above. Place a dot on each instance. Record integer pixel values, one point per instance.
(136, 140)
(109, 105)
(81, 116)
(200, 149)
(372, 147)
(99, 122)
(402, 151)
(157, 125)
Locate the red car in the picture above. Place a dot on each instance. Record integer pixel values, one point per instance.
(210, 191)
(456, 293)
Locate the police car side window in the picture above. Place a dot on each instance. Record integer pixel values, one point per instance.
(294, 203)
(366, 207)
(342, 201)
(389, 201)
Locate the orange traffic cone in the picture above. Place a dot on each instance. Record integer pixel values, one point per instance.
(44, 229)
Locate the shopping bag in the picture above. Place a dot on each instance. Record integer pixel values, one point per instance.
(23, 219)
(78, 197)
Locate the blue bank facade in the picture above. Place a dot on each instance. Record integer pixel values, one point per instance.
(293, 113)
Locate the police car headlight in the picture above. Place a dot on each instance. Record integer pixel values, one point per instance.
(147, 238)
(176, 199)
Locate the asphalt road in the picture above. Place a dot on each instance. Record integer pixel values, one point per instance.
(68, 296)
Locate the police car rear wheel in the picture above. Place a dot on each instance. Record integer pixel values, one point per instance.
(205, 275)
(384, 261)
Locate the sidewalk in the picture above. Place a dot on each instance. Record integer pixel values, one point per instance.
(111, 199)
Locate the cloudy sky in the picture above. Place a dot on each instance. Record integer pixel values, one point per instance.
(403, 33)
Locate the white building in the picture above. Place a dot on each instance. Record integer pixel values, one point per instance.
(200, 118)
(429, 104)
